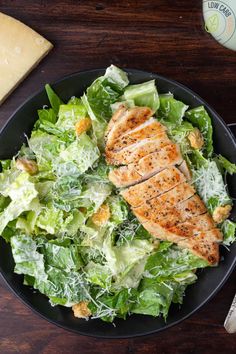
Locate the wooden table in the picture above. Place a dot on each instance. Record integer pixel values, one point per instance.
(163, 36)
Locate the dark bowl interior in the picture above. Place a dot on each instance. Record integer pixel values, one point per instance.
(210, 280)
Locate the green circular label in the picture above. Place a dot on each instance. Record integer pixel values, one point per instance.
(220, 21)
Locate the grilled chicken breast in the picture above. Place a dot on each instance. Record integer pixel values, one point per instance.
(153, 187)
(125, 119)
(159, 192)
(136, 151)
(148, 129)
(146, 167)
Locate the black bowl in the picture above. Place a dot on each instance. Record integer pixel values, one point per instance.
(210, 280)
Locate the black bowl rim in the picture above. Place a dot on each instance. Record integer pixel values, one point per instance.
(228, 273)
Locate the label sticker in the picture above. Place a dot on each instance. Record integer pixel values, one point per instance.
(220, 21)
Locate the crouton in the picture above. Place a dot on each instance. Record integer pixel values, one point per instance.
(81, 310)
(196, 139)
(102, 215)
(83, 125)
(26, 165)
(221, 213)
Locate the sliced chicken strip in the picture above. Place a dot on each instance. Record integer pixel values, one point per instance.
(192, 206)
(201, 245)
(124, 176)
(146, 167)
(172, 216)
(174, 196)
(135, 152)
(120, 112)
(153, 187)
(127, 120)
(202, 222)
(203, 248)
(186, 230)
(148, 129)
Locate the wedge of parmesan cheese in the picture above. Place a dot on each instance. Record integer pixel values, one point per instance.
(21, 49)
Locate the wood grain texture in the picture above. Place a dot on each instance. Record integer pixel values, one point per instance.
(163, 36)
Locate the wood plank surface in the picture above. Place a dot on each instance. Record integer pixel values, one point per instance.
(162, 36)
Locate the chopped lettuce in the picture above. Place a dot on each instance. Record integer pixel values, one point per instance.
(116, 77)
(199, 118)
(50, 220)
(118, 209)
(44, 264)
(65, 258)
(121, 259)
(98, 274)
(228, 228)
(27, 258)
(22, 194)
(144, 94)
(69, 115)
(171, 110)
(179, 134)
(77, 157)
(104, 91)
(46, 148)
(54, 99)
(167, 274)
(46, 115)
(226, 164)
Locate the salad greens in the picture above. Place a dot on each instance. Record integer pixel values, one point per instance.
(72, 236)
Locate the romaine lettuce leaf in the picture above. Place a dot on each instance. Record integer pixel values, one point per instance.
(46, 115)
(54, 99)
(50, 219)
(66, 192)
(76, 158)
(199, 118)
(46, 148)
(127, 104)
(179, 134)
(69, 115)
(167, 273)
(121, 259)
(118, 209)
(129, 229)
(171, 110)
(98, 274)
(154, 298)
(27, 222)
(65, 258)
(75, 100)
(228, 228)
(144, 94)
(27, 258)
(63, 286)
(5, 164)
(99, 124)
(169, 261)
(94, 195)
(22, 193)
(226, 164)
(109, 305)
(116, 77)
(103, 92)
